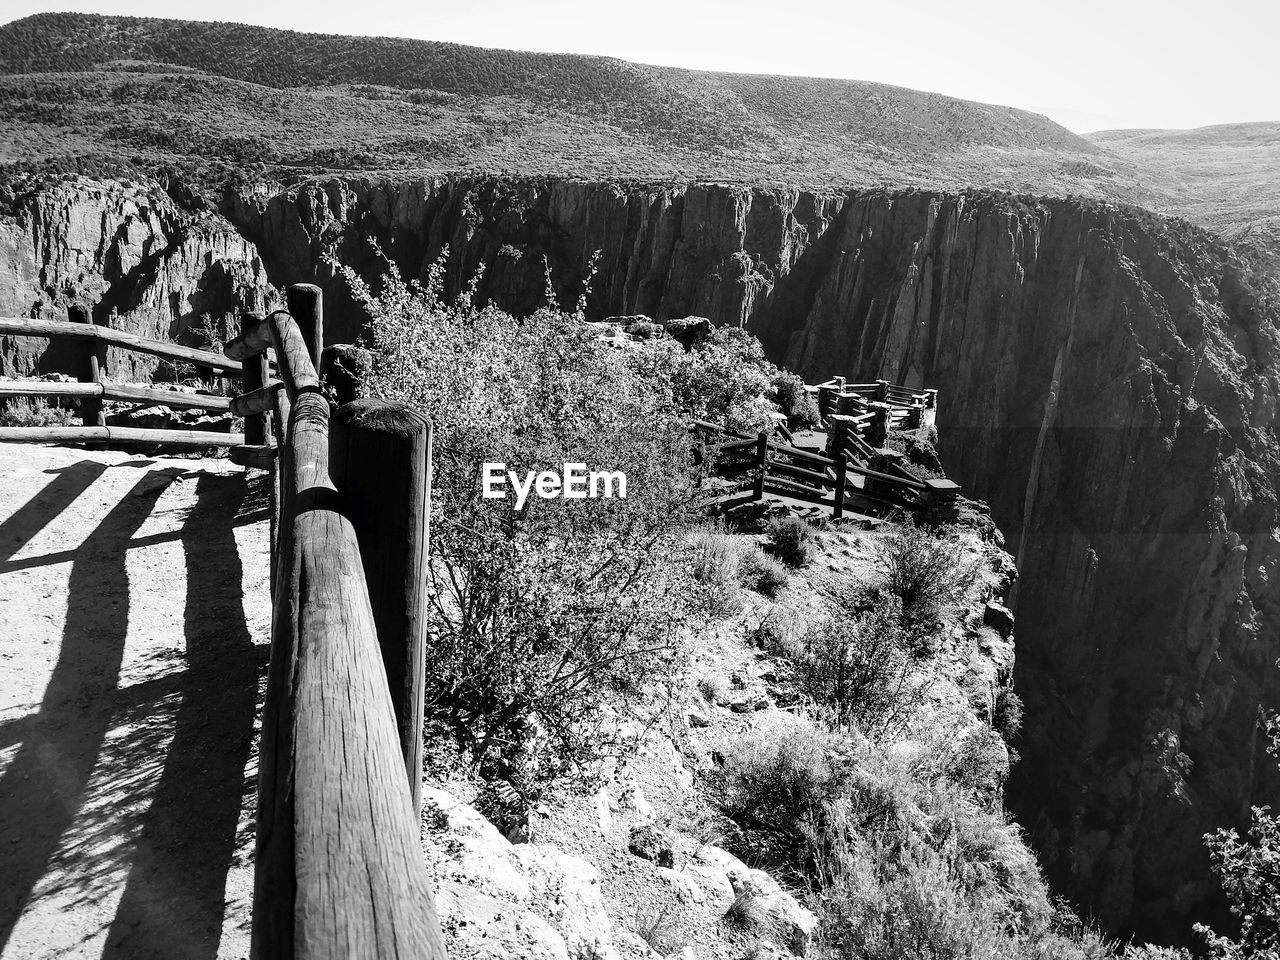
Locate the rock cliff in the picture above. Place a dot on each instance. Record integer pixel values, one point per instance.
(126, 249)
(1109, 383)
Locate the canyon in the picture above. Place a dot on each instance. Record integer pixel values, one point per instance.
(1108, 382)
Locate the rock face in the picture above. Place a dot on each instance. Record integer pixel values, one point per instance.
(125, 248)
(665, 252)
(1108, 383)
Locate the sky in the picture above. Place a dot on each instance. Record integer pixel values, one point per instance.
(1090, 65)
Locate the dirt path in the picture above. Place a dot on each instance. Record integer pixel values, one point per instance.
(134, 617)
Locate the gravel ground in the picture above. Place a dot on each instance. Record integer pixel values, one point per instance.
(134, 600)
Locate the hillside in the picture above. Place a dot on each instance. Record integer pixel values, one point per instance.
(1226, 177)
(88, 92)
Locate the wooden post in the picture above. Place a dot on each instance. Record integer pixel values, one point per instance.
(931, 399)
(256, 375)
(841, 477)
(915, 416)
(826, 400)
(878, 435)
(762, 456)
(306, 306)
(380, 461)
(835, 435)
(91, 372)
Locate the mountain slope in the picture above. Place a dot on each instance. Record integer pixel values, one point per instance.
(1226, 177)
(210, 97)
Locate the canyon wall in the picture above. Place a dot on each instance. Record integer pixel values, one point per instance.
(134, 257)
(1108, 380)
(1108, 383)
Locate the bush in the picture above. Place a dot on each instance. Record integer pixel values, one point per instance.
(791, 539)
(901, 859)
(779, 633)
(724, 378)
(788, 391)
(1249, 870)
(1008, 714)
(775, 783)
(714, 565)
(856, 667)
(539, 615)
(34, 412)
(925, 572)
(760, 572)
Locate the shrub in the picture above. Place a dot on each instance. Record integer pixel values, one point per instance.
(760, 572)
(856, 666)
(1249, 871)
(779, 633)
(792, 540)
(925, 572)
(714, 565)
(724, 378)
(658, 928)
(788, 391)
(775, 783)
(903, 859)
(34, 412)
(539, 615)
(750, 912)
(1008, 714)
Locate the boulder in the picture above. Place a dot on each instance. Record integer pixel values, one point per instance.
(689, 330)
(652, 842)
(999, 618)
(568, 889)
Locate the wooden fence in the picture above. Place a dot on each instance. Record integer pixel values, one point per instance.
(858, 471)
(92, 387)
(339, 866)
(339, 869)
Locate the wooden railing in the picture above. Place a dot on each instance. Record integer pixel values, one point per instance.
(91, 388)
(859, 472)
(339, 870)
(339, 867)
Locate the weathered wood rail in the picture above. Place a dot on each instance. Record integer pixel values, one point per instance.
(339, 867)
(858, 472)
(92, 388)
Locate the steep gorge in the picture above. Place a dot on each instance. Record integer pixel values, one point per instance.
(1109, 383)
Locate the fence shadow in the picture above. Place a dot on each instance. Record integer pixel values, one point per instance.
(18, 529)
(173, 902)
(43, 787)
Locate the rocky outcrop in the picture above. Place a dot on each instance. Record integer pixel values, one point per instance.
(128, 252)
(1109, 384)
